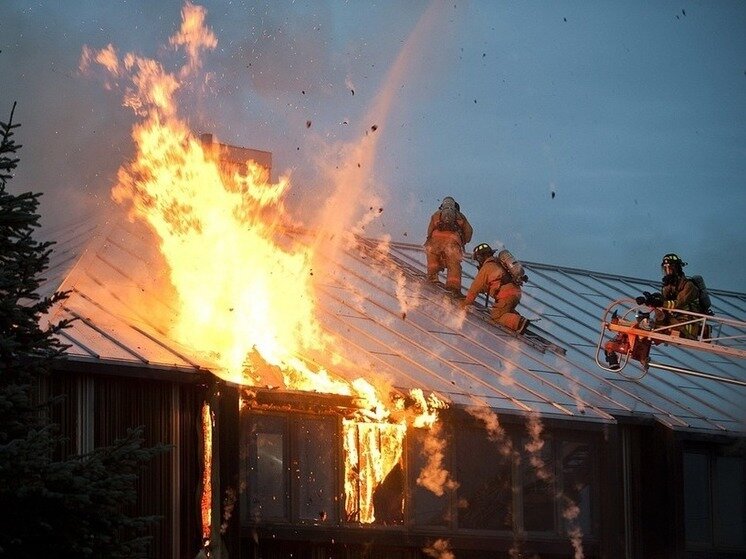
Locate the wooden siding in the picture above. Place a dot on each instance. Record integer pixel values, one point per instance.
(97, 409)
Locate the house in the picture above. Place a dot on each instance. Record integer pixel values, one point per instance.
(409, 428)
(537, 452)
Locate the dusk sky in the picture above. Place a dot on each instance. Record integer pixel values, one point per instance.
(595, 135)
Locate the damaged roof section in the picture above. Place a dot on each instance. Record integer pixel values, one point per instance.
(390, 323)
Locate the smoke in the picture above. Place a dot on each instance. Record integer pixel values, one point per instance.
(534, 446)
(495, 431)
(354, 188)
(434, 477)
(570, 511)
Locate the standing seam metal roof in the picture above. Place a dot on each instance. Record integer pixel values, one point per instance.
(391, 323)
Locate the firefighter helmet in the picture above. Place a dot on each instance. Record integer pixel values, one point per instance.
(482, 252)
(676, 263)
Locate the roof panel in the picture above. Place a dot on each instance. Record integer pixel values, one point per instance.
(392, 324)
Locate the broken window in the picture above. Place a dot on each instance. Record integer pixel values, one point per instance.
(374, 478)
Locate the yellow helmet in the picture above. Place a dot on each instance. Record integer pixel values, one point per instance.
(673, 260)
(482, 252)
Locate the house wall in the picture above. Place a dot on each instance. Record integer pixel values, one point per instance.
(98, 407)
(639, 487)
(687, 494)
(505, 504)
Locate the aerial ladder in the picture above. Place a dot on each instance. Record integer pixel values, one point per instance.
(634, 331)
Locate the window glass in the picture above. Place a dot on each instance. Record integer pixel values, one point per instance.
(429, 509)
(316, 468)
(485, 493)
(697, 511)
(267, 467)
(537, 489)
(729, 501)
(576, 463)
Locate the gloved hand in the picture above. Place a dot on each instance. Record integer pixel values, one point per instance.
(655, 300)
(650, 299)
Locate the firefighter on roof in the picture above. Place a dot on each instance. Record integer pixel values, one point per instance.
(447, 235)
(493, 278)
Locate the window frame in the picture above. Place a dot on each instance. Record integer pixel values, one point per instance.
(515, 431)
(712, 455)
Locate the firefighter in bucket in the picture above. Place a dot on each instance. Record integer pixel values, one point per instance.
(678, 292)
(447, 235)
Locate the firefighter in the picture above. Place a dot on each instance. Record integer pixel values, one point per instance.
(447, 235)
(677, 293)
(493, 279)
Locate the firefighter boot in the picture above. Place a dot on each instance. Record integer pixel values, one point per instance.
(455, 291)
(612, 360)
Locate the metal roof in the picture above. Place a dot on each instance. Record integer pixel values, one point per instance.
(391, 323)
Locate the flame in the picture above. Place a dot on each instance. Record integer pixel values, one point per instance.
(238, 290)
(244, 286)
(206, 497)
(371, 452)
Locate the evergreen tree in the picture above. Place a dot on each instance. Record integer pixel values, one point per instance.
(50, 507)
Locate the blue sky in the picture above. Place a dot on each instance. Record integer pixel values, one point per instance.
(632, 113)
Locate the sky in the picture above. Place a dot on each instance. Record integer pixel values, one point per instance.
(594, 135)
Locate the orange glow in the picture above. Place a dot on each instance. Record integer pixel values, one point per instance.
(206, 497)
(371, 451)
(244, 287)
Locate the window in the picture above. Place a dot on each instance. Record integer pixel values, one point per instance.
(550, 491)
(267, 467)
(576, 471)
(316, 468)
(714, 500)
(428, 508)
(537, 489)
(485, 493)
(320, 469)
(274, 446)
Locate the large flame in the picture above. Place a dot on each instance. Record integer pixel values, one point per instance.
(239, 290)
(244, 286)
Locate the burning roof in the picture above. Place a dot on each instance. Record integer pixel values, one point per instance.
(212, 272)
(391, 327)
